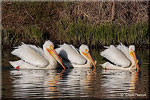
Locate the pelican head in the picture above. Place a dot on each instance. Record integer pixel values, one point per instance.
(48, 43)
(49, 46)
(84, 50)
(132, 47)
(133, 56)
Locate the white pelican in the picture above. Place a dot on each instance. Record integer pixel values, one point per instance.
(121, 56)
(33, 57)
(74, 58)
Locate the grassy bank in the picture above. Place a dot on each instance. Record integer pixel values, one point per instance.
(104, 34)
(80, 32)
(93, 23)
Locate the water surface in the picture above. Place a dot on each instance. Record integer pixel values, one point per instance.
(77, 82)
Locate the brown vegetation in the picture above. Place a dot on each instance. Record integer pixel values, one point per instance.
(34, 22)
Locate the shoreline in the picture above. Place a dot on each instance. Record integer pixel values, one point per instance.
(81, 33)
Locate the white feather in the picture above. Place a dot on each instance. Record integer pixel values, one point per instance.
(31, 54)
(75, 49)
(125, 50)
(39, 50)
(108, 65)
(25, 65)
(22, 65)
(58, 50)
(69, 52)
(116, 56)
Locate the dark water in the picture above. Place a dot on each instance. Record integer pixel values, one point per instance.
(77, 82)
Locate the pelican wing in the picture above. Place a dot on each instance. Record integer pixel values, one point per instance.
(108, 65)
(75, 49)
(125, 50)
(37, 49)
(116, 56)
(69, 52)
(31, 54)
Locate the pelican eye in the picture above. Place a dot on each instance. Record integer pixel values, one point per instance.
(86, 50)
(51, 47)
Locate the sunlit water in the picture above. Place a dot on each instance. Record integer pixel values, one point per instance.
(77, 82)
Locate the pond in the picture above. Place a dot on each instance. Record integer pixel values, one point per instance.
(77, 82)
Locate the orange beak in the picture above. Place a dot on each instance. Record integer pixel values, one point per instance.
(55, 55)
(135, 59)
(90, 58)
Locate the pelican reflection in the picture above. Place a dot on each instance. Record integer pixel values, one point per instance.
(79, 82)
(116, 82)
(35, 83)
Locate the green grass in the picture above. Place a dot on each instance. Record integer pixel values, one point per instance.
(30, 34)
(79, 32)
(105, 34)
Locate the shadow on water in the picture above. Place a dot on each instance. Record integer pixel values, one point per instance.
(77, 82)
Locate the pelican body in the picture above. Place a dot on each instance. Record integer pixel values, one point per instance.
(33, 57)
(75, 58)
(121, 57)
